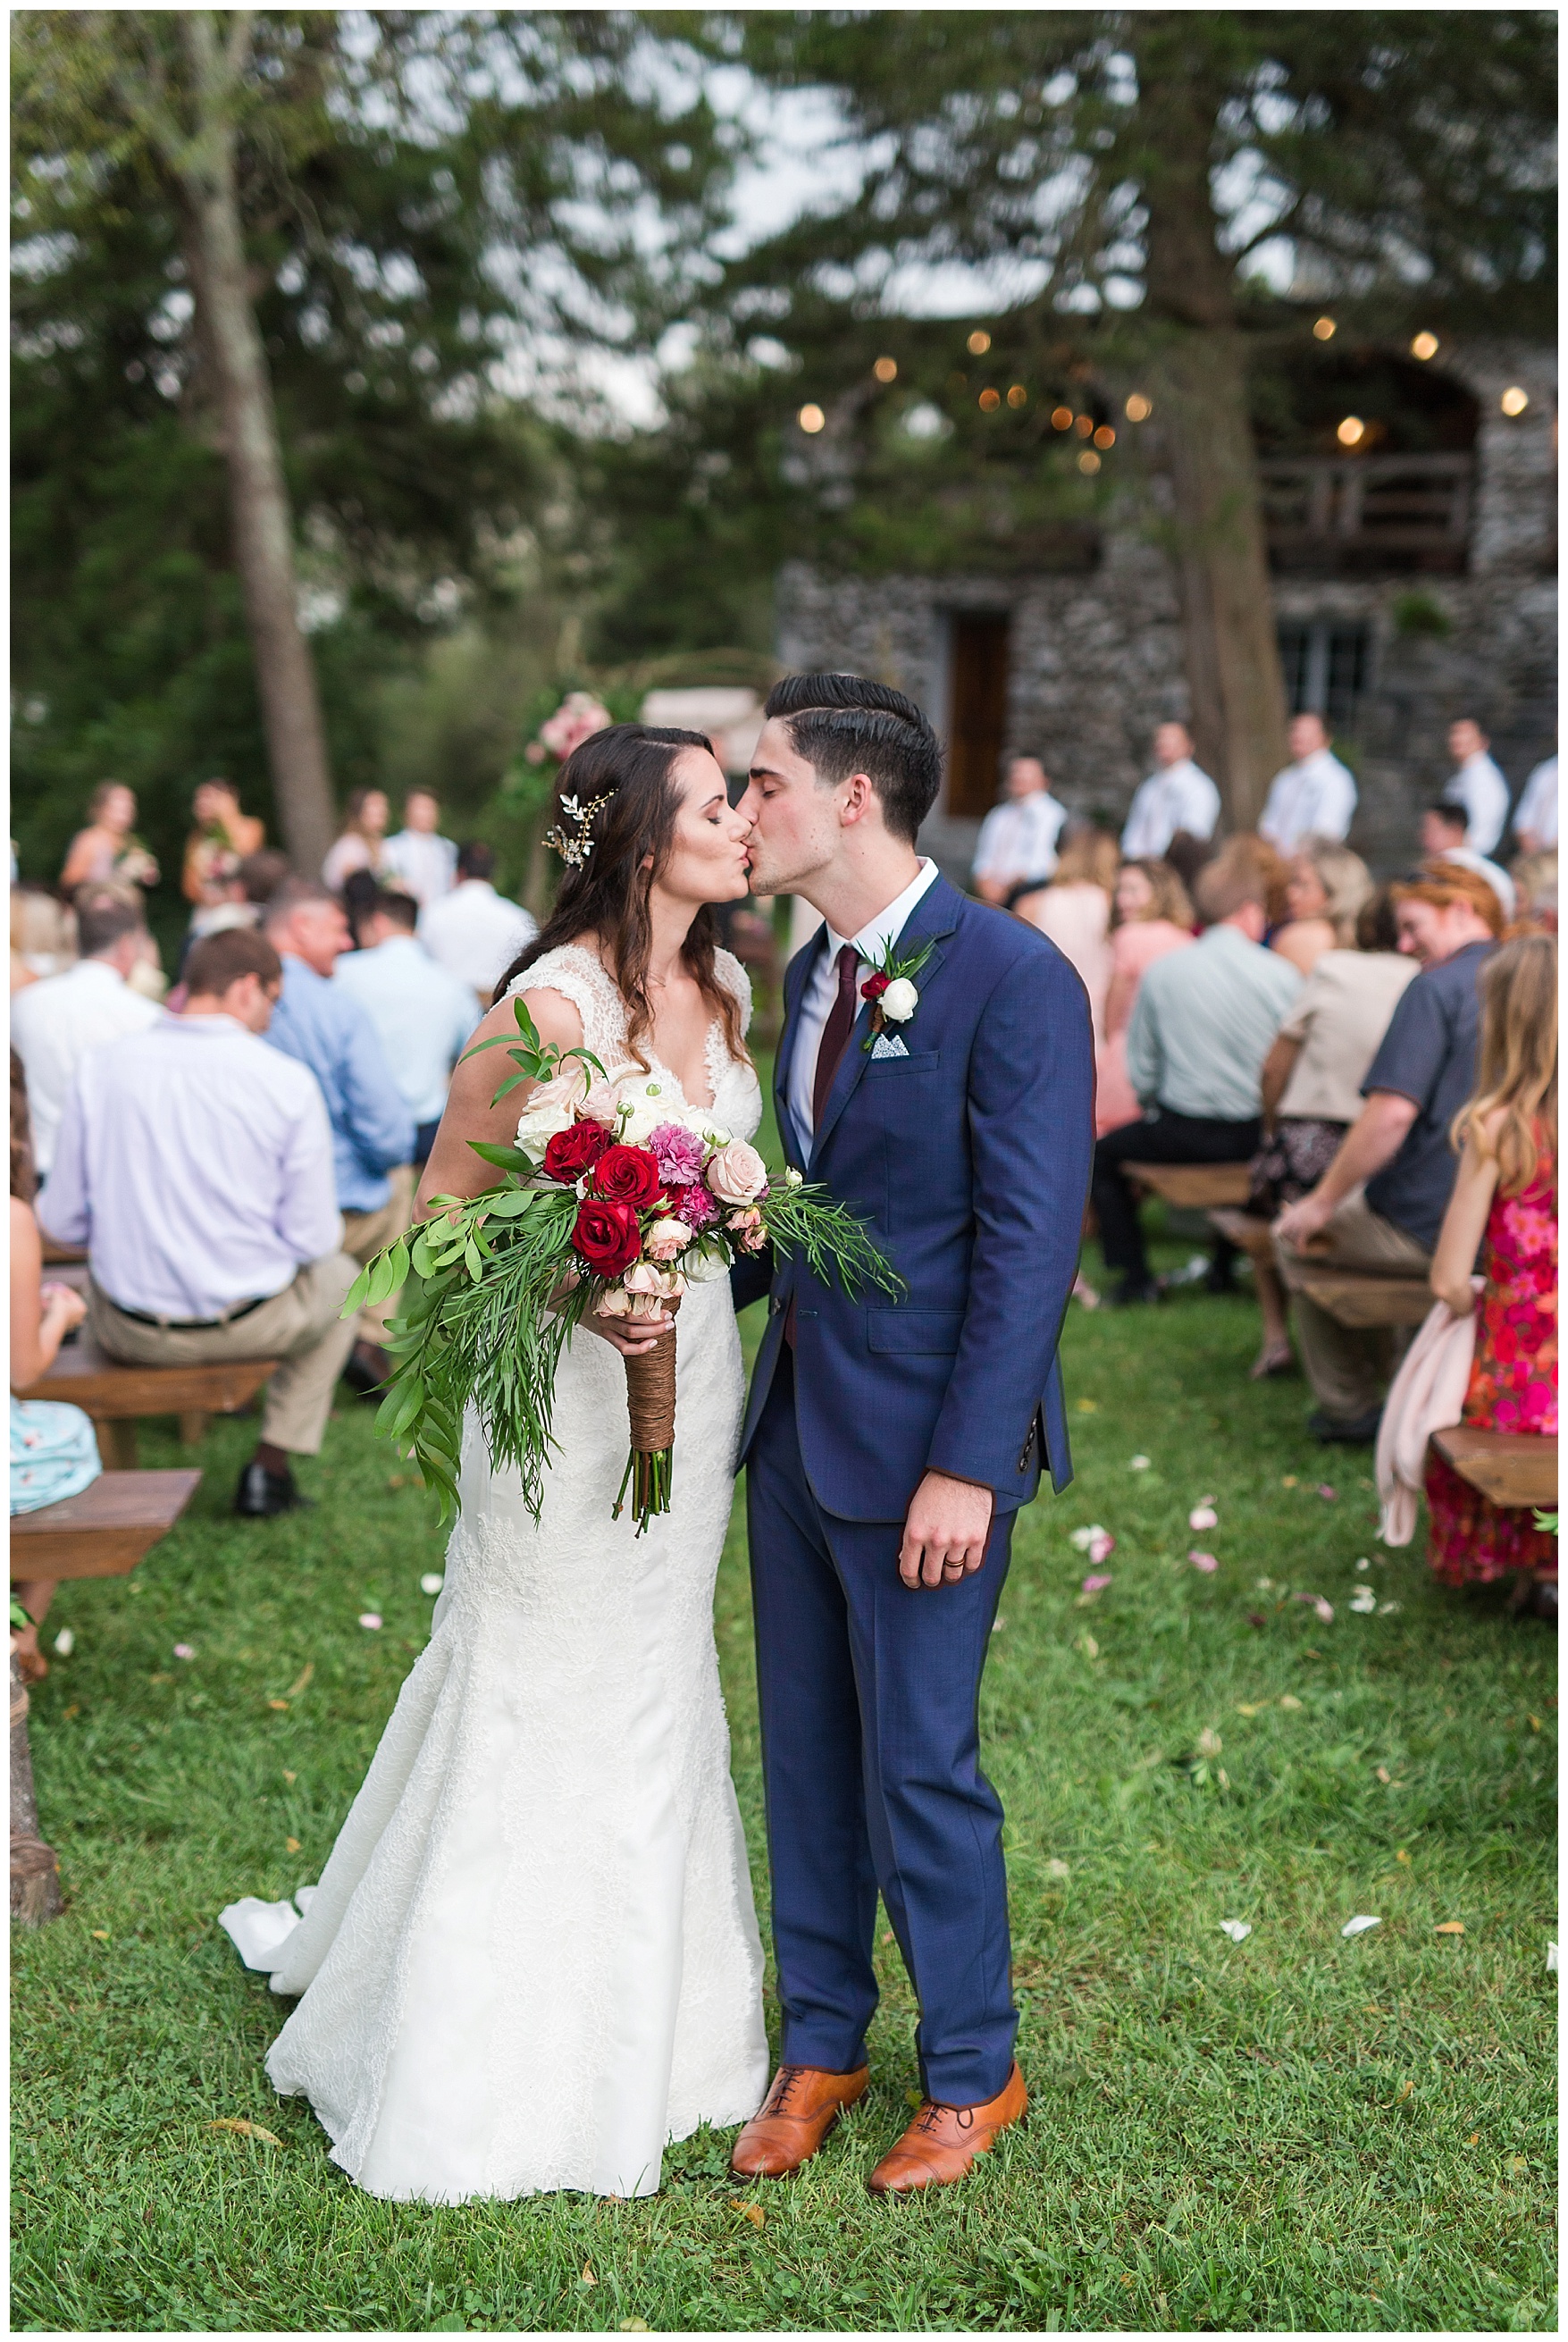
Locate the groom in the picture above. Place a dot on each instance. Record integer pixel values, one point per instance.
(888, 1446)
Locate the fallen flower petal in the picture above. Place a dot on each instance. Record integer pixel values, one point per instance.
(1384, 1776)
(1263, 1584)
(1363, 1564)
(370, 1620)
(752, 2212)
(432, 1582)
(65, 1642)
(1238, 1930)
(1449, 1927)
(1551, 1959)
(1363, 1600)
(1384, 1608)
(184, 1651)
(1360, 1924)
(302, 1679)
(1096, 1585)
(1088, 1645)
(1289, 1699)
(1057, 1868)
(1139, 1463)
(1324, 1611)
(1256, 1619)
(1203, 1516)
(245, 2129)
(1209, 1742)
(1330, 1496)
(1254, 1711)
(1102, 1548)
(1207, 1562)
(1083, 1538)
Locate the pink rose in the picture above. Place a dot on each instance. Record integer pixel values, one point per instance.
(737, 1173)
(665, 1238)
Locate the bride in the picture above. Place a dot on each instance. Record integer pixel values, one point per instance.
(532, 1959)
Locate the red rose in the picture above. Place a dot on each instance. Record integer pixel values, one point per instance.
(628, 1174)
(875, 986)
(572, 1151)
(607, 1237)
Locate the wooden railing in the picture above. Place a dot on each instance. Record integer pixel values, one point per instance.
(1413, 510)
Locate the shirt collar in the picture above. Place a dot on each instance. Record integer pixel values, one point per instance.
(877, 934)
(216, 1027)
(99, 970)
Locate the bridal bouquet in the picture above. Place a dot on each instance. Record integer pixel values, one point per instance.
(616, 1197)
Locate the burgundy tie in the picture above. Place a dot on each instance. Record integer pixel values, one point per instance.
(829, 1049)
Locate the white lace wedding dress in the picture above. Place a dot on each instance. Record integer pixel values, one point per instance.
(532, 1959)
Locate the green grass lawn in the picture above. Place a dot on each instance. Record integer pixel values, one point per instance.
(1296, 2131)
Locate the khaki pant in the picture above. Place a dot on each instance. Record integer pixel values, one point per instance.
(302, 1325)
(366, 1233)
(1348, 1365)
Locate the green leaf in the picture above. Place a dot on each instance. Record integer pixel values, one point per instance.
(358, 1294)
(505, 1158)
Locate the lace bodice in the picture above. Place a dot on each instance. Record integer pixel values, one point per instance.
(580, 977)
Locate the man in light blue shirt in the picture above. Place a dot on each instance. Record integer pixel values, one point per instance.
(1204, 1021)
(423, 1012)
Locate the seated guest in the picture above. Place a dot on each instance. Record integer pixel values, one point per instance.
(1018, 837)
(326, 1029)
(361, 843)
(1177, 796)
(419, 859)
(1074, 911)
(195, 1164)
(423, 1014)
(55, 1022)
(1202, 1027)
(1378, 1207)
(1477, 785)
(1536, 815)
(1151, 917)
(54, 1449)
(1315, 795)
(1443, 830)
(1312, 1081)
(1325, 888)
(1504, 1206)
(475, 932)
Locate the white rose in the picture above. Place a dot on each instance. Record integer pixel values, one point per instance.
(706, 1262)
(540, 1124)
(736, 1173)
(645, 1105)
(900, 1001)
(793, 1178)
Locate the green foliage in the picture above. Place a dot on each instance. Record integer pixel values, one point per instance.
(1420, 614)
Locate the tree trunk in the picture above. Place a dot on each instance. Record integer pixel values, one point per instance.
(262, 525)
(35, 1874)
(1220, 551)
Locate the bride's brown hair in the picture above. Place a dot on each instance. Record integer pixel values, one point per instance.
(632, 767)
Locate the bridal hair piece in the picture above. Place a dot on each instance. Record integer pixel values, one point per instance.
(574, 846)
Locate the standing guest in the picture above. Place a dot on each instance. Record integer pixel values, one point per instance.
(1177, 796)
(422, 861)
(1018, 837)
(221, 837)
(1151, 916)
(1536, 815)
(108, 848)
(43, 936)
(55, 1023)
(195, 1164)
(1378, 1207)
(475, 932)
(1534, 878)
(1445, 829)
(1325, 888)
(54, 1448)
(1315, 795)
(1477, 785)
(1504, 1203)
(1202, 1027)
(320, 1024)
(423, 1012)
(362, 842)
(1074, 911)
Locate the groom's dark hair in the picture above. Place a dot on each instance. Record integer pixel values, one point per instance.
(843, 723)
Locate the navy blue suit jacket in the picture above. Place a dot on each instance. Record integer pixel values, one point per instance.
(969, 1160)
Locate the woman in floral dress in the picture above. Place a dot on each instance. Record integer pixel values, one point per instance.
(1504, 1202)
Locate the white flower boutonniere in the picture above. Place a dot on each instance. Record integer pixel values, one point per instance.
(891, 990)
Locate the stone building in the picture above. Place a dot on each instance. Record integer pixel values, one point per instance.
(1415, 581)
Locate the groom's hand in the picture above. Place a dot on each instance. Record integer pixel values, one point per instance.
(944, 1531)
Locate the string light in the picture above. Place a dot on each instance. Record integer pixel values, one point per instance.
(1088, 461)
(1513, 400)
(1060, 418)
(1325, 330)
(979, 342)
(1423, 346)
(886, 369)
(1104, 437)
(1085, 425)
(990, 401)
(811, 418)
(1018, 396)
(1350, 432)
(1139, 408)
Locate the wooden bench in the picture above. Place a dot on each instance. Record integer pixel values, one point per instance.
(1245, 1230)
(115, 1396)
(1511, 1468)
(104, 1531)
(1352, 1299)
(1193, 1186)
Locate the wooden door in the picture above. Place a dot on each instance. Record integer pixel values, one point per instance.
(978, 723)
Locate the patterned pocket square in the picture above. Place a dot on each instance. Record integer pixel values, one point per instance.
(888, 1045)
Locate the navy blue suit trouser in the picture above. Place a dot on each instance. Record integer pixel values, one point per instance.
(871, 1764)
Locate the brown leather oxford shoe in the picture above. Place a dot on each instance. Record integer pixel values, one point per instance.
(793, 2119)
(941, 2142)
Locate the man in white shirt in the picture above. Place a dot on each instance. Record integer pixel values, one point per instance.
(474, 932)
(1444, 838)
(1477, 785)
(423, 863)
(1313, 797)
(55, 1023)
(195, 1164)
(423, 1014)
(1018, 837)
(1535, 816)
(1178, 796)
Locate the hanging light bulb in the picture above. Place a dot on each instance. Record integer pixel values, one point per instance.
(811, 417)
(1018, 396)
(1423, 346)
(885, 369)
(1088, 461)
(1139, 408)
(1325, 330)
(1060, 418)
(1513, 400)
(1104, 437)
(1350, 432)
(979, 342)
(990, 400)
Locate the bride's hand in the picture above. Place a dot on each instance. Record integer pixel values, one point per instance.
(631, 1335)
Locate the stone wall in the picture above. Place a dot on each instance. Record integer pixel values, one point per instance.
(1095, 661)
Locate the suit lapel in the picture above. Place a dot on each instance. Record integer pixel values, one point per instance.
(796, 976)
(936, 914)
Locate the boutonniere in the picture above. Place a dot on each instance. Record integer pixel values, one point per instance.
(889, 988)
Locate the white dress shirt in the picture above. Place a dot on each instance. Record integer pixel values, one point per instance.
(476, 933)
(821, 986)
(54, 1025)
(1178, 797)
(425, 864)
(1018, 839)
(422, 1014)
(1315, 799)
(195, 1164)
(1480, 789)
(1537, 808)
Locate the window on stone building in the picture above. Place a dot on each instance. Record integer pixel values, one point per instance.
(1327, 665)
(977, 720)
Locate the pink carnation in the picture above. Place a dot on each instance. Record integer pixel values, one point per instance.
(679, 1152)
(698, 1209)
